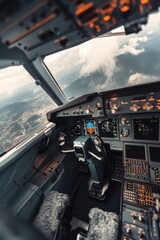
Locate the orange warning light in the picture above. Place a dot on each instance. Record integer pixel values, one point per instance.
(107, 18)
(125, 8)
(91, 25)
(144, 1)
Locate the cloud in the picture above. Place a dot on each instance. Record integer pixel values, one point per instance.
(153, 23)
(139, 78)
(63, 63)
(99, 53)
(12, 79)
(150, 32)
(84, 59)
(133, 46)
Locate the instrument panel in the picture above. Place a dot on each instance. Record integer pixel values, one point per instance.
(121, 118)
(132, 104)
(137, 128)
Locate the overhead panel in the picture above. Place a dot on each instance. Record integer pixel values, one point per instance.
(36, 26)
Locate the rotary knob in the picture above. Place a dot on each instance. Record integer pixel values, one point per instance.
(113, 110)
(124, 121)
(114, 106)
(134, 108)
(148, 106)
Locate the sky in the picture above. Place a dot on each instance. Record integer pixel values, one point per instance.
(103, 53)
(82, 60)
(13, 79)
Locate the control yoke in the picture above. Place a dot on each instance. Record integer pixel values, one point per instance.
(97, 154)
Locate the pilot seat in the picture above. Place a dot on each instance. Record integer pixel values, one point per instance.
(50, 219)
(102, 225)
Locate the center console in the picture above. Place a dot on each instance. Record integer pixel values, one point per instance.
(140, 184)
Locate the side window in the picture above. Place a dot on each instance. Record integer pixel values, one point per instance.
(23, 106)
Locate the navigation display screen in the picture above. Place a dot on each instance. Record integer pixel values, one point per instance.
(154, 154)
(108, 128)
(135, 152)
(146, 128)
(90, 127)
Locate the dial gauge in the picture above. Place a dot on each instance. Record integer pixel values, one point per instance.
(125, 132)
(107, 126)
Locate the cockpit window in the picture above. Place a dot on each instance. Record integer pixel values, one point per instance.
(107, 63)
(23, 106)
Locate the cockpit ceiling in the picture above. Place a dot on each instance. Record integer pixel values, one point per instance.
(40, 27)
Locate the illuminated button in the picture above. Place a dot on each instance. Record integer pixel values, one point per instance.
(107, 18)
(144, 1)
(125, 8)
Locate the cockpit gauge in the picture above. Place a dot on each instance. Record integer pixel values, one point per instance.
(125, 132)
(146, 128)
(90, 127)
(108, 127)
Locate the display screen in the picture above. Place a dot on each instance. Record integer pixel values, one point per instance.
(135, 152)
(108, 128)
(90, 127)
(146, 128)
(154, 154)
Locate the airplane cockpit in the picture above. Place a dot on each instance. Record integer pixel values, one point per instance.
(80, 120)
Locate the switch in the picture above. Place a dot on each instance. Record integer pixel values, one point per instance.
(140, 218)
(141, 235)
(128, 230)
(134, 216)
